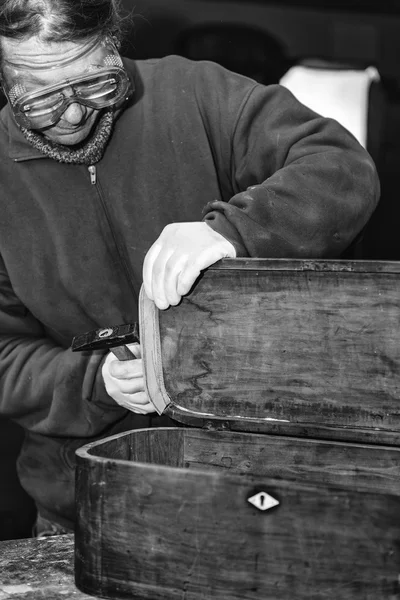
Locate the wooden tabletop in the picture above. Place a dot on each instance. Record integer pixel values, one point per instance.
(33, 569)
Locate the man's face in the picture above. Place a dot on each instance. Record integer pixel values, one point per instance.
(43, 64)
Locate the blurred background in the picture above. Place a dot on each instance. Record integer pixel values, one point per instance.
(331, 41)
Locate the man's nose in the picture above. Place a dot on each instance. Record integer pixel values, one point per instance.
(74, 114)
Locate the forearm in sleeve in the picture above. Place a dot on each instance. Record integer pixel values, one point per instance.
(304, 186)
(48, 389)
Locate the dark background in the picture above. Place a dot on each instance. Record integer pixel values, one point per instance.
(360, 32)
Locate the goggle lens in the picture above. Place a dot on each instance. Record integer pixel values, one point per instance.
(105, 84)
(43, 109)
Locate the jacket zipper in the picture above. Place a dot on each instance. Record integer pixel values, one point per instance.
(128, 274)
(93, 174)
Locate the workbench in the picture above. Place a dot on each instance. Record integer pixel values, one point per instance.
(33, 569)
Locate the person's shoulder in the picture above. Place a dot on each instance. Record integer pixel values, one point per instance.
(175, 66)
(167, 66)
(205, 83)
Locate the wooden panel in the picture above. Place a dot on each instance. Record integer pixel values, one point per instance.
(355, 466)
(292, 429)
(162, 533)
(158, 446)
(161, 446)
(286, 341)
(358, 467)
(303, 264)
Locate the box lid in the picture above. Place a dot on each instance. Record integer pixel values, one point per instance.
(300, 346)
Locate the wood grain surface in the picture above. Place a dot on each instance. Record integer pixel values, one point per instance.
(296, 342)
(172, 519)
(296, 348)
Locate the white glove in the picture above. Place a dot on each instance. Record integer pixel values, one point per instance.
(177, 257)
(124, 382)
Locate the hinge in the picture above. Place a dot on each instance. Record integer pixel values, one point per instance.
(216, 425)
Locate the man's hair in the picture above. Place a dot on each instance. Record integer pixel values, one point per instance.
(60, 20)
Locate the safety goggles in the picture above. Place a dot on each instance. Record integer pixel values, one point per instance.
(102, 81)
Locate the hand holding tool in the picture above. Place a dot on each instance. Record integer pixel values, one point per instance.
(112, 338)
(127, 391)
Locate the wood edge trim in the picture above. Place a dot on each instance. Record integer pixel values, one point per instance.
(151, 353)
(327, 265)
(84, 452)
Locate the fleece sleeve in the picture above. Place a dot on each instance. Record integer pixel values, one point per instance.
(301, 185)
(46, 388)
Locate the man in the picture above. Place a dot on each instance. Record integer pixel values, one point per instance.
(109, 167)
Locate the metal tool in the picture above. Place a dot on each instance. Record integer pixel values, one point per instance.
(113, 338)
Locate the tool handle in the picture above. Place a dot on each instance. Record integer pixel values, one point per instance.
(123, 353)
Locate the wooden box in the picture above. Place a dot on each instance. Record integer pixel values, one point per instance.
(282, 477)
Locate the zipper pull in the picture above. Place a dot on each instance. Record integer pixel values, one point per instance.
(93, 174)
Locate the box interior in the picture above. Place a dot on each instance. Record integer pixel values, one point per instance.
(361, 467)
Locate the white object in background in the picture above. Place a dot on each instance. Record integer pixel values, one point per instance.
(340, 94)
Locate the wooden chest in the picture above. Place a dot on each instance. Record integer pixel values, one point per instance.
(281, 479)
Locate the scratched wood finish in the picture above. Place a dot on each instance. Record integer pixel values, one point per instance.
(296, 342)
(32, 569)
(163, 515)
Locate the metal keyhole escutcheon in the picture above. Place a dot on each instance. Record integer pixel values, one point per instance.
(263, 501)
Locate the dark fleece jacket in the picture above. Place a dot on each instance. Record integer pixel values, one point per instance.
(270, 175)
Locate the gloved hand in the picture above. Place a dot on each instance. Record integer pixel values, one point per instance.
(124, 382)
(176, 258)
